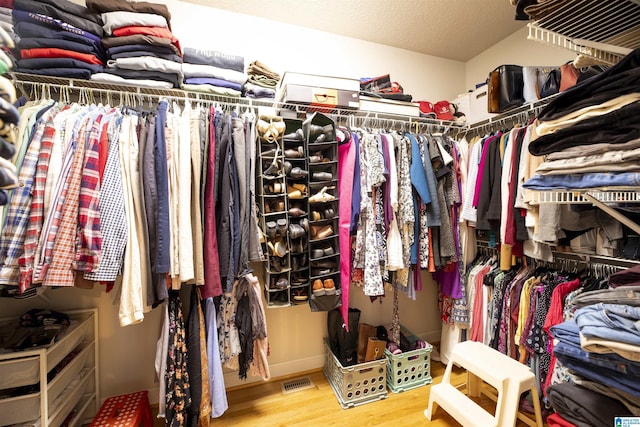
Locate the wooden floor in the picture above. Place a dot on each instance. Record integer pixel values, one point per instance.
(265, 405)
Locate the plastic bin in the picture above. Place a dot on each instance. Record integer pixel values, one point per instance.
(410, 369)
(358, 384)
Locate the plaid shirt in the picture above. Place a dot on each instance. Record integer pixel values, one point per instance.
(52, 219)
(17, 219)
(36, 217)
(60, 272)
(112, 219)
(89, 236)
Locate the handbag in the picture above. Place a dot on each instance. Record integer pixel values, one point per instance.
(375, 349)
(530, 84)
(509, 88)
(568, 76)
(493, 92)
(550, 85)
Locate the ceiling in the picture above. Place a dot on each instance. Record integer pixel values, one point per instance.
(454, 29)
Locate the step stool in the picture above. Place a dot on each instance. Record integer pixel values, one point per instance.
(127, 410)
(485, 366)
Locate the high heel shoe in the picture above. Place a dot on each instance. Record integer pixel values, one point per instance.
(294, 153)
(297, 191)
(298, 135)
(274, 206)
(297, 173)
(279, 248)
(321, 176)
(273, 171)
(322, 196)
(296, 212)
(321, 231)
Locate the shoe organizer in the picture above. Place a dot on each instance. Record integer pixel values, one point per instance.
(298, 182)
(273, 190)
(324, 249)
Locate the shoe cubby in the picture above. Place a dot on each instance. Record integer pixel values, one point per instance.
(296, 170)
(273, 190)
(324, 249)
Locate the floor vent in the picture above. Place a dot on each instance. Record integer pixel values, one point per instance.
(296, 384)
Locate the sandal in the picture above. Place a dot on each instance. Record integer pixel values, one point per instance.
(300, 294)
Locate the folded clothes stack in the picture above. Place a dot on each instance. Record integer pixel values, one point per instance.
(140, 47)
(57, 38)
(213, 72)
(261, 82)
(6, 19)
(9, 118)
(589, 135)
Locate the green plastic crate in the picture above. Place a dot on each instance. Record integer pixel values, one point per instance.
(410, 369)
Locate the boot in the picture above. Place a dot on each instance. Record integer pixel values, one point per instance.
(347, 342)
(334, 324)
(365, 332)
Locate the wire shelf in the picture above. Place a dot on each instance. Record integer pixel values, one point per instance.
(604, 31)
(577, 197)
(141, 94)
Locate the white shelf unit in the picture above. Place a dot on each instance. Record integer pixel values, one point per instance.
(71, 391)
(602, 30)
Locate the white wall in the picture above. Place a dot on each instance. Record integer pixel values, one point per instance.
(295, 334)
(515, 49)
(284, 47)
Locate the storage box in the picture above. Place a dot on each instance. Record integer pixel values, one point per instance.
(389, 106)
(319, 98)
(410, 369)
(314, 80)
(474, 105)
(358, 384)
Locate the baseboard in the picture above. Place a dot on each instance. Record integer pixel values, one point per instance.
(285, 369)
(277, 370)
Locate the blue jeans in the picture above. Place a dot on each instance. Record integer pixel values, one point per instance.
(583, 181)
(608, 369)
(615, 322)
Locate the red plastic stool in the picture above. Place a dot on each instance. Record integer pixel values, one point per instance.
(127, 410)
